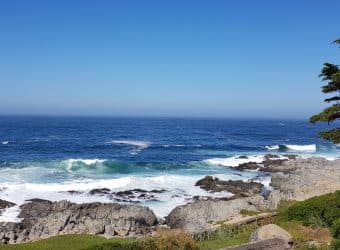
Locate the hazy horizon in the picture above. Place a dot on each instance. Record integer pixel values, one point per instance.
(165, 59)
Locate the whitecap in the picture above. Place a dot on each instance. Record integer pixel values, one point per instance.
(306, 148)
(273, 147)
(234, 161)
(5, 142)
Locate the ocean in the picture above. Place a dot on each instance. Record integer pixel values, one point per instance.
(59, 158)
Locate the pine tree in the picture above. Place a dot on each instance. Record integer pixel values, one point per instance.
(330, 73)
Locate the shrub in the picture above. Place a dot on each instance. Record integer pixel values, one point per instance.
(321, 211)
(335, 228)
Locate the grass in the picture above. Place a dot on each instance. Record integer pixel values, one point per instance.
(224, 240)
(245, 212)
(65, 242)
(165, 239)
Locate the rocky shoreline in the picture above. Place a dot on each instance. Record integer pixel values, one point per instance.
(292, 178)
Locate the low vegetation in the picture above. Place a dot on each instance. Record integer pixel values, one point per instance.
(319, 212)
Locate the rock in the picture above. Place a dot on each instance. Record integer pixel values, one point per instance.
(271, 156)
(270, 244)
(72, 192)
(306, 178)
(197, 216)
(248, 166)
(158, 191)
(239, 188)
(99, 191)
(6, 204)
(272, 231)
(134, 195)
(291, 157)
(42, 219)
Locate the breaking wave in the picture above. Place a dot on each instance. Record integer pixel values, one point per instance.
(307, 148)
(291, 147)
(274, 147)
(235, 161)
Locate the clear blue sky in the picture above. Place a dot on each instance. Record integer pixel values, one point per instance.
(165, 58)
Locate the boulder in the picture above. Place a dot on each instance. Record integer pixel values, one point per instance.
(239, 188)
(272, 231)
(198, 216)
(42, 219)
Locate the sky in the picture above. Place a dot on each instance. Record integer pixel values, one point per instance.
(249, 59)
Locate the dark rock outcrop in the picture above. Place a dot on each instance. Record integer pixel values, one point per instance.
(6, 204)
(248, 166)
(131, 195)
(42, 219)
(239, 188)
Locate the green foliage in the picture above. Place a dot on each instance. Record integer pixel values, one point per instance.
(333, 135)
(335, 228)
(330, 73)
(327, 115)
(336, 244)
(320, 211)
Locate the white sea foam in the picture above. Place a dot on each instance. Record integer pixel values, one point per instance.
(306, 148)
(5, 142)
(180, 190)
(10, 214)
(234, 161)
(273, 147)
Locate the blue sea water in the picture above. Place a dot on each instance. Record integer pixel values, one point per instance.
(44, 157)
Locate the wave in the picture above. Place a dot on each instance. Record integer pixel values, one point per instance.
(234, 161)
(291, 147)
(4, 142)
(274, 147)
(307, 148)
(72, 163)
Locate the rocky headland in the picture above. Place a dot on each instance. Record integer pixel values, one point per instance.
(42, 219)
(292, 178)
